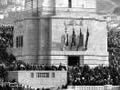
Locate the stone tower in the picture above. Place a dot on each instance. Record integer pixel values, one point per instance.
(44, 24)
(36, 24)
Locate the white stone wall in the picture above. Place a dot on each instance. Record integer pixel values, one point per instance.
(96, 53)
(28, 4)
(76, 3)
(44, 48)
(18, 31)
(59, 59)
(24, 78)
(61, 3)
(77, 6)
(52, 7)
(97, 42)
(42, 34)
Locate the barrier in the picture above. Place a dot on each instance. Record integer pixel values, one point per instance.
(39, 79)
(115, 87)
(105, 87)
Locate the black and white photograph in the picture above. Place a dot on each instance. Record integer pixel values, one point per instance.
(59, 44)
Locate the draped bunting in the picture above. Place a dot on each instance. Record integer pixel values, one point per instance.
(74, 42)
(81, 40)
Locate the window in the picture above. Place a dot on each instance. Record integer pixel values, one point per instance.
(70, 3)
(32, 75)
(42, 75)
(53, 75)
(47, 74)
(19, 41)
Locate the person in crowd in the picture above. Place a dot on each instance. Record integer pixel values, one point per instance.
(100, 75)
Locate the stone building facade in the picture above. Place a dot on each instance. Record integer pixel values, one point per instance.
(60, 31)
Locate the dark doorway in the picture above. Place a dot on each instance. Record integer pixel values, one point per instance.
(70, 3)
(73, 60)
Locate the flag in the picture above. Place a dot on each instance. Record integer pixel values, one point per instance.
(81, 40)
(73, 43)
(66, 39)
(87, 37)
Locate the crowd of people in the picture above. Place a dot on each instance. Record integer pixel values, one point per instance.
(114, 47)
(100, 75)
(79, 75)
(7, 87)
(19, 87)
(23, 66)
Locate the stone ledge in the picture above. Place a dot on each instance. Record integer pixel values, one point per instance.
(86, 53)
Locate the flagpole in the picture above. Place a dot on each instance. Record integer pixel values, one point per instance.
(87, 36)
(32, 5)
(37, 7)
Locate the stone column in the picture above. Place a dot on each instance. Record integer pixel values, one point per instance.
(31, 34)
(44, 40)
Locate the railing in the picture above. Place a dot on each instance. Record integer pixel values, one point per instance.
(116, 88)
(15, 86)
(106, 87)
